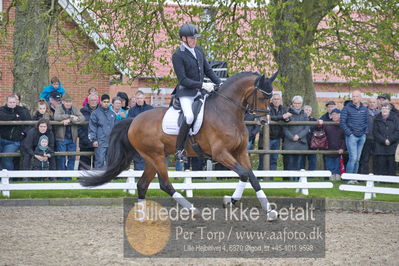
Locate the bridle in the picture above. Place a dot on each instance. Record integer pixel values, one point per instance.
(253, 109)
(266, 96)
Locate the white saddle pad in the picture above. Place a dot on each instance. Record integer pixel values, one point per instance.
(169, 121)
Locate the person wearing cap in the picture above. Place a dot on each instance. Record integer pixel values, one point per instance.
(55, 86)
(368, 148)
(354, 122)
(386, 139)
(54, 101)
(330, 105)
(191, 66)
(383, 98)
(386, 98)
(102, 120)
(336, 141)
(67, 135)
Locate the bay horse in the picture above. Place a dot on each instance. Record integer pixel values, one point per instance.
(223, 136)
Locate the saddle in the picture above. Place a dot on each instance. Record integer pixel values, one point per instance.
(174, 116)
(196, 107)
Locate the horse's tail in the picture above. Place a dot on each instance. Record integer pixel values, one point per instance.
(120, 155)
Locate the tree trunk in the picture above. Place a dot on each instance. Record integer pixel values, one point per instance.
(297, 77)
(33, 20)
(294, 26)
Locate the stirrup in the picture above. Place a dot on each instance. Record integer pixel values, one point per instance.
(180, 156)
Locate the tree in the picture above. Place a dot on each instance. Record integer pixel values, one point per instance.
(294, 27)
(355, 39)
(33, 20)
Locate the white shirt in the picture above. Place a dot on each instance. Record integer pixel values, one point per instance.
(190, 49)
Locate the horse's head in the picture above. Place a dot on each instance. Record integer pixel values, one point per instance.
(258, 99)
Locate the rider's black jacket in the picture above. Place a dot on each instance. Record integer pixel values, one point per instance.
(190, 71)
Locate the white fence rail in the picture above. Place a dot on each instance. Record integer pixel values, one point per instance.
(370, 190)
(301, 186)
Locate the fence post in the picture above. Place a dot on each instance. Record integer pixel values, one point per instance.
(266, 146)
(303, 179)
(369, 195)
(131, 180)
(208, 168)
(188, 182)
(5, 180)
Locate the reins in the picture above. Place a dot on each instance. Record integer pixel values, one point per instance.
(247, 108)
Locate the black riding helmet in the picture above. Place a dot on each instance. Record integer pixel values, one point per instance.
(189, 30)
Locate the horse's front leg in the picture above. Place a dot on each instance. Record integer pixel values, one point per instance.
(242, 167)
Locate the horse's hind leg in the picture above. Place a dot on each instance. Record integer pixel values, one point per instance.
(166, 185)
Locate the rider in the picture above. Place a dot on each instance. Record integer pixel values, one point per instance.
(190, 66)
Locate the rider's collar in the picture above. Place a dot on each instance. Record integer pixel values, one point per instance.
(185, 46)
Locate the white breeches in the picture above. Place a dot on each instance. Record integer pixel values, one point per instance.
(186, 103)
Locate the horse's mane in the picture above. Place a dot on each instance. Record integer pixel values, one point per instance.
(236, 77)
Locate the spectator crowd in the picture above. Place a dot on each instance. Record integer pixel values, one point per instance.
(38, 143)
(365, 138)
(368, 131)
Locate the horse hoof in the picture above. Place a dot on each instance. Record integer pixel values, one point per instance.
(195, 212)
(272, 215)
(227, 202)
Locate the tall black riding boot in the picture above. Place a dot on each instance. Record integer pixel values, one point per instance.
(181, 142)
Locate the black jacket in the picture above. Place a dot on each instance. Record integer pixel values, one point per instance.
(190, 71)
(13, 132)
(386, 129)
(38, 116)
(276, 131)
(252, 129)
(325, 117)
(336, 137)
(39, 165)
(29, 145)
(83, 131)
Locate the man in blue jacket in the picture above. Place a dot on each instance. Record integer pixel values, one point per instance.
(101, 122)
(141, 105)
(190, 66)
(354, 122)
